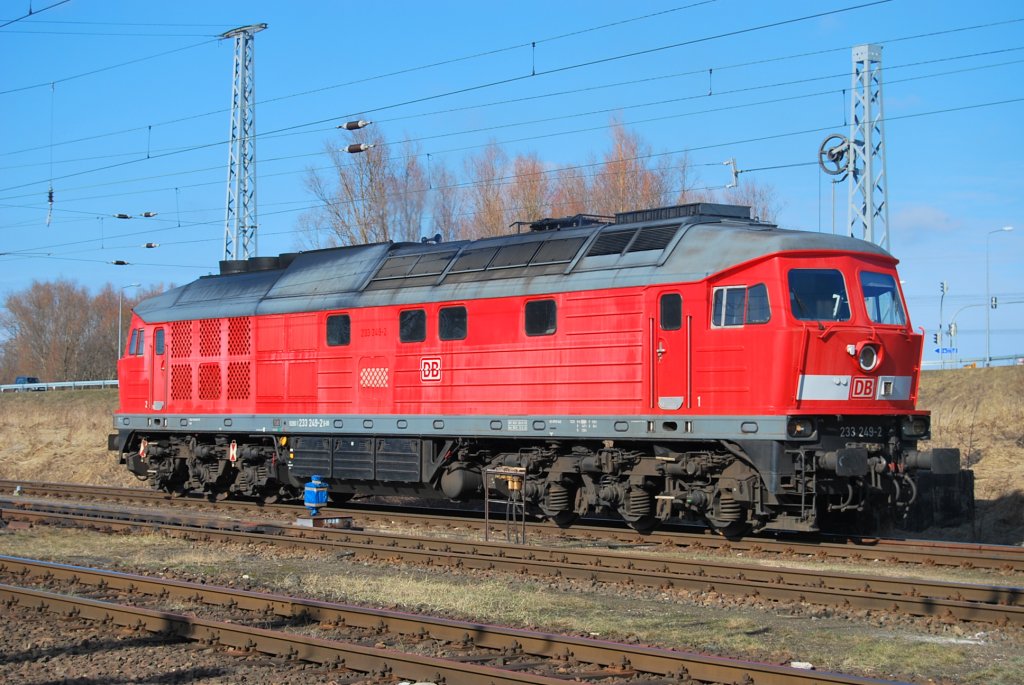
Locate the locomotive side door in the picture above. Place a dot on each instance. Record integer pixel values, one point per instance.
(670, 352)
(158, 371)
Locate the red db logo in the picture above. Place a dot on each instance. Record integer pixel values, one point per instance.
(863, 388)
(430, 370)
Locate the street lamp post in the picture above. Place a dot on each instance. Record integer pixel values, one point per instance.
(988, 296)
(120, 299)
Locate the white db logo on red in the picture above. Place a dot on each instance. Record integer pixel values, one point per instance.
(863, 387)
(430, 370)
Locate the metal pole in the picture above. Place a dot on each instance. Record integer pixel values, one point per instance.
(988, 295)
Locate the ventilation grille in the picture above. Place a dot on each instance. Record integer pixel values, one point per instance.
(209, 381)
(181, 339)
(611, 242)
(238, 380)
(209, 338)
(653, 239)
(630, 240)
(239, 336)
(181, 381)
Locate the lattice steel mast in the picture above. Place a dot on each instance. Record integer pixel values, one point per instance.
(240, 213)
(869, 201)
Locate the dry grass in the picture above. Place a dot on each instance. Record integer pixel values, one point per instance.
(981, 411)
(643, 616)
(59, 436)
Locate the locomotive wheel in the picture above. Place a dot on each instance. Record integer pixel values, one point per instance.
(644, 524)
(638, 510)
(730, 521)
(557, 504)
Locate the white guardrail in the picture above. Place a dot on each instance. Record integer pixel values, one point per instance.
(974, 362)
(64, 385)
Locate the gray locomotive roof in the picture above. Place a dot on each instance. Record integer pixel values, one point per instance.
(571, 259)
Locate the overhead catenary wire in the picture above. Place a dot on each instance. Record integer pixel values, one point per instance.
(366, 79)
(506, 80)
(32, 13)
(687, 150)
(891, 82)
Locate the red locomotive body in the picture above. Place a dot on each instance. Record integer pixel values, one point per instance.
(681, 361)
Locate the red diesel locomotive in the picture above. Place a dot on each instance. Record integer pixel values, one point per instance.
(677, 362)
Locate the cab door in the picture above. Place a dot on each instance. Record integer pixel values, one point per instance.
(670, 355)
(158, 371)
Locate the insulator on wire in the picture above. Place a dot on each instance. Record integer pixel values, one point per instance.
(148, 214)
(119, 262)
(358, 147)
(354, 125)
(122, 216)
(151, 245)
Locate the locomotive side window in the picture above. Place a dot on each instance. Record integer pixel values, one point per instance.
(158, 341)
(671, 306)
(412, 325)
(541, 317)
(729, 305)
(758, 310)
(339, 330)
(882, 299)
(451, 323)
(818, 295)
(138, 343)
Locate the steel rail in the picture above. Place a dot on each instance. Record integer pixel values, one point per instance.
(603, 653)
(1003, 558)
(947, 601)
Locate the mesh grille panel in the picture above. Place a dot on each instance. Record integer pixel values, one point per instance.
(238, 380)
(239, 336)
(209, 381)
(181, 381)
(209, 338)
(181, 339)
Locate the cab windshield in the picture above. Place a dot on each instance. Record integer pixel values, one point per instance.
(818, 295)
(882, 299)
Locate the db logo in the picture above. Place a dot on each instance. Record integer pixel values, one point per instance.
(430, 369)
(863, 388)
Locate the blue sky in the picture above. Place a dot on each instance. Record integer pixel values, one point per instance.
(954, 176)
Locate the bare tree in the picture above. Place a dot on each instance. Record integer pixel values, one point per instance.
(529, 192)
(407, 195)
(570, 194)
(627, 179)
(762, 198)
(370, 197)
(446, 201)
(58, 331)
(486, 192)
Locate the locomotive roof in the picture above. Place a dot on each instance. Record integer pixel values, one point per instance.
(674, 244)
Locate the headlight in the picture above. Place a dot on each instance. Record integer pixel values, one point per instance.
(868, 358)
(915, 427)
(800, 428)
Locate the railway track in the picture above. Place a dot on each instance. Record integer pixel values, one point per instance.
(1002, 558)
(945, 601)
(416, 647)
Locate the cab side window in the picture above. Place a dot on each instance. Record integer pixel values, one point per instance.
(739, 305)
(541, 317)
(339, 330)
(671, 311)
(412, 325)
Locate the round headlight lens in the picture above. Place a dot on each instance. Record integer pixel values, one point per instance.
(868, 358)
